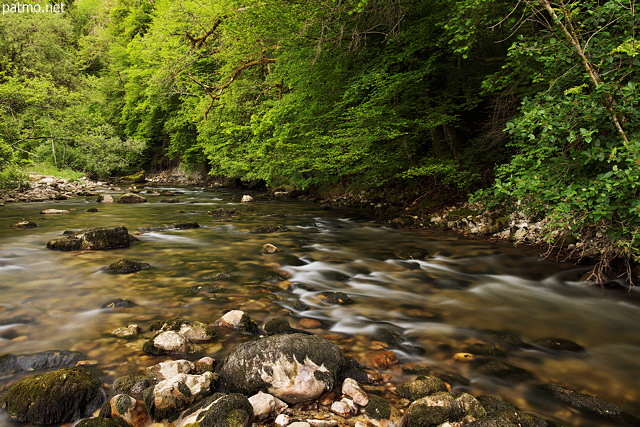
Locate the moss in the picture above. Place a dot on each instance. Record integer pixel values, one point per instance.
(102, 422)
(248, 325)
(132, 385)
(421, 387)
(232, 410)
(136, 178)
(123, 403)
(54, 397)
(377, 408)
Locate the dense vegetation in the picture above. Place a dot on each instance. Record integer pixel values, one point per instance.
(531, 102)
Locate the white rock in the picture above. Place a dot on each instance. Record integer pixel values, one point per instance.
(247, 199)
(351, 388)
(54, 212)
(341, 408)
(230, 319)
(265, 404)
(171, 342)
(197, 331)
(300, 424)
(169, 394)
(323, 423)
(129, 331)
(106, 198)
(165, 370)
(282, 420)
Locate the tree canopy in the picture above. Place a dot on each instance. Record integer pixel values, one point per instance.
(531, 102)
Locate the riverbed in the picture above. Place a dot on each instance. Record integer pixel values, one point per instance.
(426, 310)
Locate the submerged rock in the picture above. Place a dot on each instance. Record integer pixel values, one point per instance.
(119, 303)
(292, 367)
(174, 226)
(60, 396)
(559, 344)
(24, 224)
(52, 359)
(101, 238)
(270, 229)
(335, 298)
(126, 266)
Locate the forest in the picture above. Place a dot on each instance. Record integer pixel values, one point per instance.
(527, 105)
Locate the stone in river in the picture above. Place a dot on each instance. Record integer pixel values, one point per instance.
(335, 298)
(192, 330)
(50, 359)
(421, 387)
(61, 396)
(126, 266)
(105, 198)
(170, 342)
(24, 224)
(292, 367)
(219, 410)
(559, 344)
(281, 326)
(132, 411)
(384, 360)
(247, 199)
(171, 396)
(119, 303)
(431, 410)
(101, 238)
(131, 198)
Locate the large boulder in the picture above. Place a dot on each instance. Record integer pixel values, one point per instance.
(292, 367)
(101, 238)
(61, 396)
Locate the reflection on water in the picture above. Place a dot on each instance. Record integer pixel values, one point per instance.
(425, 310)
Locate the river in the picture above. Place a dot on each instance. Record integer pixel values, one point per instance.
(425, 310)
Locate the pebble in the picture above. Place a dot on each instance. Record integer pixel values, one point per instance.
(351, 388)
(310, 323)
(464, 357)
(384, 360)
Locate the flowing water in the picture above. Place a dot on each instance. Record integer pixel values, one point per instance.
(426, 311)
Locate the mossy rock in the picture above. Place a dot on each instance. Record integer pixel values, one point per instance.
(421, 387)
(482, 349)
(279, 326)
(101, 238)
(133, 385)
(102, 422)
(61, 396)
(233, 410)
(135, 178)
(126, 266)
(377, 408)
(430, 411)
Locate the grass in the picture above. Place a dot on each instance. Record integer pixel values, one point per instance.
(47, 169)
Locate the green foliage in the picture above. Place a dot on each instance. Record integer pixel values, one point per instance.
(572, 163)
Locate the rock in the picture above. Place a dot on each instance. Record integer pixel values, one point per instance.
(281, 326)
(219, 410)
(499, 369)
(105, 198)
(136, 178)
(378, 408)
(247, 199)
(237, 319)
(268, 248)
(341, 408)
(265, 405)
(132, 411)
(131, 198)
(307, 323)
(417, 253)
(270, 229)
(292, 367)
(133, 385)
(589, 404)
(421, 387)
(464, 357)
(352, 389)
(384, 360)
(170, 342)
(101, 422)
(429, 411)
(165, 370)
(192, 330)
(102, 238)
(169, 397)
(61, 396)
(282, 420)
(335, 298)
(55, 212)
(174, 226)
(126, 332)
(170, 201)
(119, 303)
(51, 359)
(468, 408)
(126, 266)
(481, 349)
(92, 210)
(24, 224)
(559, 344)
